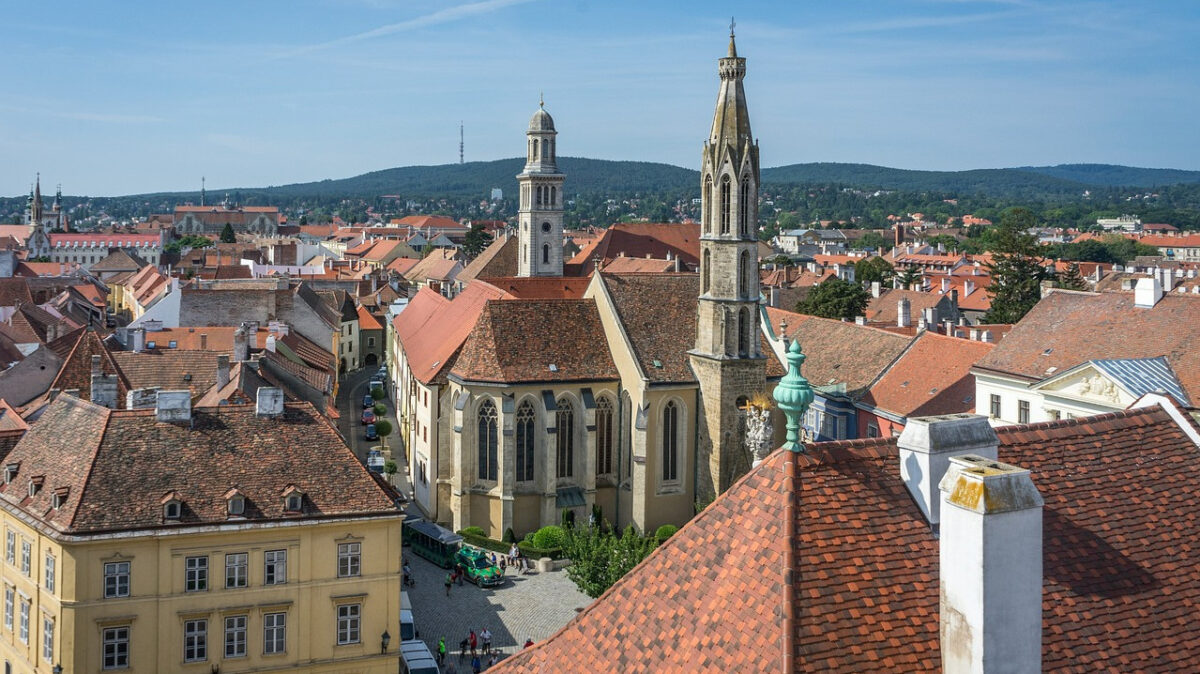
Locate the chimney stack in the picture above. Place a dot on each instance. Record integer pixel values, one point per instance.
(903, 313)
(241, 345)
(137, 339)
(173, 406)
(222, 371)
(926, 446)
(104, 386)
(876, 289)
(270, 401)
(1147, 292)
(990, 565)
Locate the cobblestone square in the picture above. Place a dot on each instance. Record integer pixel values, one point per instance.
(533, 606)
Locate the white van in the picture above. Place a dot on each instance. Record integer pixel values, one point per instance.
(415, 658)
(408, 628)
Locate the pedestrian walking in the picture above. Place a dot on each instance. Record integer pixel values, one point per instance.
(461, 572)
(475, 666)
(486, 635)
(503, 565)
(449, 582)
(441, 651)
(473, 641)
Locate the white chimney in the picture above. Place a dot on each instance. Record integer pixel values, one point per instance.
(903, 313)
(1168, 281)
(876, 288)
(985, 336)
(968, 287)
(926, 446)
(1147, 292)
(174, 406)
(270, 402)
(860, 320)
(990, 564)
(222, 371)
(137, 340)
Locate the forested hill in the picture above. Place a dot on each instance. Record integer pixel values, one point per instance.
(597, 176)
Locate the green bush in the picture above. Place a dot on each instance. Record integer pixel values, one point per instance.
(664, 532)
(390, 467)
(534, 553)
(549, 537)
(377, 393)
(475, 536)
(472, 531)
(509, 536)
(380, 409)
(528, 538)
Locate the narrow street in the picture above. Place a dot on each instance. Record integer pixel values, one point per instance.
(349, 403)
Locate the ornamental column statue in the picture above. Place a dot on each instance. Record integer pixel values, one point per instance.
(793, 395)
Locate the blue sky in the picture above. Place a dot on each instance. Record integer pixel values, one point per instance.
(119, 98)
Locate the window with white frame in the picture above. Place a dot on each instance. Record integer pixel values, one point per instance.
(195, 574)
(9, 598)
(274, 633)
(274, 567)
(348, 623)
(23, 633)
(26, 557)
(10, 546)
(50, 571)
(236, 567)
(235, 636)
(47, 638)
(116, 579)
(349, 559)
(116, 648)
(195, 640)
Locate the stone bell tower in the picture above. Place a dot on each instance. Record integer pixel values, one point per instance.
(540, 218)
(728, 359)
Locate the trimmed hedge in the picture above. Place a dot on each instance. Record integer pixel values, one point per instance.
(549, 537)
(533, 553)
(664, 532)
(474, 536)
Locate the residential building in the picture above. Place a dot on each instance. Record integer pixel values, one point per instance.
(239, 538)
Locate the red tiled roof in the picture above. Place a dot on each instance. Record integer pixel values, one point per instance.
(842, 357)
(540, 287)
(522, 341)
(658, 312)
(1121, 492)
(639, 239)
(195, 371)
(884, 309)
(366, 321)
(437, 222)
(931, 377)
(431, 329)
(117, 465)
(76, 370)
(1066, 329)
(499, 259)
(626, 265)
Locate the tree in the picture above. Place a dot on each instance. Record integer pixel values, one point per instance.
(1016, 267)
(476, 240)
(1072, 279)
(835, 298)
(599, 558)
(383, 428)
(871, 239)
(873, 269)
(189, 241)
(909, 277)
(378, 393)
(390, 467)
(227, 235)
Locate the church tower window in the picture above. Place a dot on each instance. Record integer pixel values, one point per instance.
(743, 328)
(604, 436)
(525, 438)
(744, 207)
(743, 271)
(545, 253)
(488, 441)
(707, 204)
(705, 271)
(670, 442)
(725, 205)
(564, 418)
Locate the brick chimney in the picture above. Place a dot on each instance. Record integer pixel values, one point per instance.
(926, 446)
(173, 406)
(990, 567)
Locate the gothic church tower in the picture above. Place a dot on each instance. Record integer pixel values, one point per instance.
(727, 358)
(540, 219)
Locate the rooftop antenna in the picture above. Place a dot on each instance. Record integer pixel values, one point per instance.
(201, 190)
(460, 141)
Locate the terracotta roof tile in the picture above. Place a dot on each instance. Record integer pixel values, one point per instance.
(518, 341)
(658, 312)
(931, 377)
(195, 371)
(499, 259)
(1121, 492)
(842, 357)
(432, 329)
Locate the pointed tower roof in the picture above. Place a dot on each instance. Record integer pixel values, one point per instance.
(731, 123)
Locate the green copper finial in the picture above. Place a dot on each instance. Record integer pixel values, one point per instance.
(793, 395)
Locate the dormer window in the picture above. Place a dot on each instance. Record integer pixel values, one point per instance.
(35, 485)
(60, 496)
(171, 510)
(235, 502)
(293, 499)
(10, 472)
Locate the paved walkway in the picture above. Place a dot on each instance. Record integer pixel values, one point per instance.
(533, 606)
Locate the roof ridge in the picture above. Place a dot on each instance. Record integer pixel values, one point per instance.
(1129, 413)
(95, 451)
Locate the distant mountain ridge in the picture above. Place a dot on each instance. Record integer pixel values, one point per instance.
(632, 177)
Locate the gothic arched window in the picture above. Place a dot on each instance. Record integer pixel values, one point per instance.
(553, 196)
(535, 149)
(670, 442)
(744, 207)
(707, 205)
(744, 275)
(545, 253)
(725, 205)
(564, 421)
(604, 436)
(488, 441)
(705, 270)
(744, 332)
(525, 439)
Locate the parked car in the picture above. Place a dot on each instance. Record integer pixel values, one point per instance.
(371, 434)
(378, 383)
(375, 459)
(381, 374)
(479, 568)
(368, 401)
(368, 416)
(415, 658)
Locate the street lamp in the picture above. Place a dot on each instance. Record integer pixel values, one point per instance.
(386, 639)
(57, 669)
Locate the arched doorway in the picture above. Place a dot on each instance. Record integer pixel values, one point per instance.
(371, 360)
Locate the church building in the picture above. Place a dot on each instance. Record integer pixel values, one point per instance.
(532, 398)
